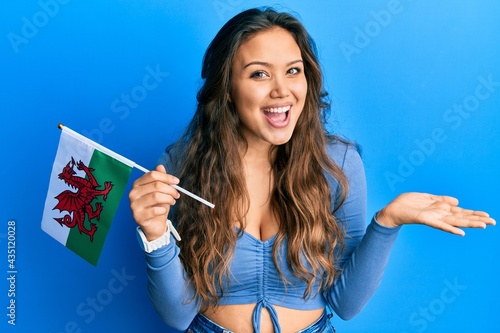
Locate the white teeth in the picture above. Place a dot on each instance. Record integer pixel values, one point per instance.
(278, 110)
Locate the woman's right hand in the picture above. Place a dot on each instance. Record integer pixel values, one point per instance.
(150, 199)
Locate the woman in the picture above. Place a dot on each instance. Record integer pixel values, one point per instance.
(287, 238)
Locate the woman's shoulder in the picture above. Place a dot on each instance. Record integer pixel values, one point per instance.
(171, 155)
(343, 152)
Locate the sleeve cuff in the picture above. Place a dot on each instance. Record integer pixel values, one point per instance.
(382, 228)
(163, 256)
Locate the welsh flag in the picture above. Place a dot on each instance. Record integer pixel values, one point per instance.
(86, 186)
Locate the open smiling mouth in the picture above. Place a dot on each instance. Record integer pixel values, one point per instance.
(278, 117)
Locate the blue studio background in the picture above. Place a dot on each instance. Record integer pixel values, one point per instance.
(416, 83)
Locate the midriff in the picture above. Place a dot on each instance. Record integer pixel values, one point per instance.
(238, 318)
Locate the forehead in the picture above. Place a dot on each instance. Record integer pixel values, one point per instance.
(274, 46)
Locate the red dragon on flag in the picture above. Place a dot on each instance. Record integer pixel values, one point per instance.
(79, 203)
(87, 200)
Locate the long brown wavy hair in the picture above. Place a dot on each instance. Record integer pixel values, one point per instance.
(207, 159)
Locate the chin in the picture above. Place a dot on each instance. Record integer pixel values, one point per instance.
(280, 141)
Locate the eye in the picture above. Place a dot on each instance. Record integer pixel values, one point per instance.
(294, 71)
(258, 75)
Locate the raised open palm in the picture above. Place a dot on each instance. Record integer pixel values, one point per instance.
(440, 212)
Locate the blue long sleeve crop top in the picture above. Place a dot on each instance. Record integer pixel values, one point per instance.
(255, 279)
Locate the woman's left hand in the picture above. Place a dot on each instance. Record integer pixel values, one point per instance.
(440, 212)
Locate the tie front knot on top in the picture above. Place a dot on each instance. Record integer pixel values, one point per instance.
(255, 279)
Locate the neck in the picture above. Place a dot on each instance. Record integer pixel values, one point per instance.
(257, 156)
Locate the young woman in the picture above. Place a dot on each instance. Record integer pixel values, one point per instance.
(287, 238)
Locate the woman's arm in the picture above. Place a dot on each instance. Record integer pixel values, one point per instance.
(367, 250)
(151, 198)
(168, 287)
(366, 253)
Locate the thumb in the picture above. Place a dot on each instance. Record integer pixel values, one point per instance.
(161, 168)
(452, 201)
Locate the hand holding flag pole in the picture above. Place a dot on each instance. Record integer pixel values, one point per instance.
(86, 185)
(178, 188)
(127, 161)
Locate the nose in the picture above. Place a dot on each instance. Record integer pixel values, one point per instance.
(280, 87)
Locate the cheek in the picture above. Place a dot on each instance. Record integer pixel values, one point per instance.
(300, 88)
(250, 96)
(300, 91)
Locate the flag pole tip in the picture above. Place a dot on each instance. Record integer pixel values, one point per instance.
(60, 126)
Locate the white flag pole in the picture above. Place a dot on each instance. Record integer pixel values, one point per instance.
(127, 161)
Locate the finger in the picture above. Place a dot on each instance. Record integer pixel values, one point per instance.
(485, 216)
(442, 221)
(152, 221)
(471, 221)
(487, 220)
(480, 213)
(446, 199)
(461, 211)
(152, 199)
(465, 222)
(161, 168)
(441, 225)
(458, 212)
(139, 191)
(473, 215)
(159, 174)
(151, 215)
(469, 211)
(491, 221)
(146, 215)
(170, 179)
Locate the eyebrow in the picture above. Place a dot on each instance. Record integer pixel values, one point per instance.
(266, 64)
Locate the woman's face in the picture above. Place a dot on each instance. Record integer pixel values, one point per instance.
(268, 86)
